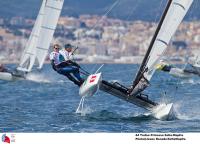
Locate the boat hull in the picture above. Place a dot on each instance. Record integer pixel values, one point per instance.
(159, 111)
(6, 76)
(164, 112)
(176, 72)
(90, 86)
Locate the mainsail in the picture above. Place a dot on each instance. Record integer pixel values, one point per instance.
(52, 13)
(171, 18)
(28, 57)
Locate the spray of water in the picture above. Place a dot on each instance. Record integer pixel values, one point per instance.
(190, 81)
(38, 78)
(179, 114)
(83, 109)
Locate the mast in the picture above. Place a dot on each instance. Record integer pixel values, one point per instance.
(142, 67)
(170, 20)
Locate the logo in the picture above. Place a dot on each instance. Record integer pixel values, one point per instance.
(93, 79)
(5, 139)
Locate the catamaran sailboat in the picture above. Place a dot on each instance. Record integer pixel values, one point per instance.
(191, 68)
(39, 41)
(170, 20)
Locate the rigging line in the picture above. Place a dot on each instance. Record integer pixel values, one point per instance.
(114, 14)
(116, 72)
(86, 72)
(108, 11)
(193, 7)
(133, 9)
(99, 68)
(188, 51)
(146, 57)
(158, 12)
(159, 9)
(94, 67)
(72, 55)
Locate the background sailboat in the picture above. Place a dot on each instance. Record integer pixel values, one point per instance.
(39, 41)
(28, 57)
(191, 68)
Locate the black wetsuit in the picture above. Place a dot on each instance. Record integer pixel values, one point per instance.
(61, 69)
(167, 68)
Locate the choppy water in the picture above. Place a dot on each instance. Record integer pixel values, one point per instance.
(48, 104)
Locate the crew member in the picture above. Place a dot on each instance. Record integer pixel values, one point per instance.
(65, 66)
(163, 66)
(2, 68)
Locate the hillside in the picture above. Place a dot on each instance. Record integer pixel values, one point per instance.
(126, 9)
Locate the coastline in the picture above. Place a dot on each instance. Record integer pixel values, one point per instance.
(101, 62)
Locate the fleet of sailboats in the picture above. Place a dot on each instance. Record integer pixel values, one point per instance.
(190, 69)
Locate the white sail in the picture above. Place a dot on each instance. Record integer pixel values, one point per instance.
(28, 57)
(175, 15)
(172, 17)
(52, 13)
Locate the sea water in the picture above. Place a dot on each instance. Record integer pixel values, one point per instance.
(47, 102)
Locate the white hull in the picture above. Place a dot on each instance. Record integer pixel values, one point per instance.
(176, 72)
(164, 111)
(90, 86)
(9, 77)
(6, 76)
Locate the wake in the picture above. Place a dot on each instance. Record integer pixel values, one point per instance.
(190, 81)
(38, 78)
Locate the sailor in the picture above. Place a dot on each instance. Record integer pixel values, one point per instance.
(3, 68)
(163, 66)
(65, 66)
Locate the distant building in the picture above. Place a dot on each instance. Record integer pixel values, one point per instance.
(18, 21)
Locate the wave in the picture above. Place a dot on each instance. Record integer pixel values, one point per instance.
(38, 78)
(105, 115)
(190, 81)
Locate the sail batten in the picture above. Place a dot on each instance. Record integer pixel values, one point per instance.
(52, 13)
(49, 28)
(55, 8)
(170, 20)
(180, 5)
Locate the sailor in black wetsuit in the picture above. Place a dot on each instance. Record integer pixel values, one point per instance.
(3, 68)
(164, 66)
(65, 66)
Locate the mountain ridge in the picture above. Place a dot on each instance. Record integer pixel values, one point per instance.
(147, 10)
